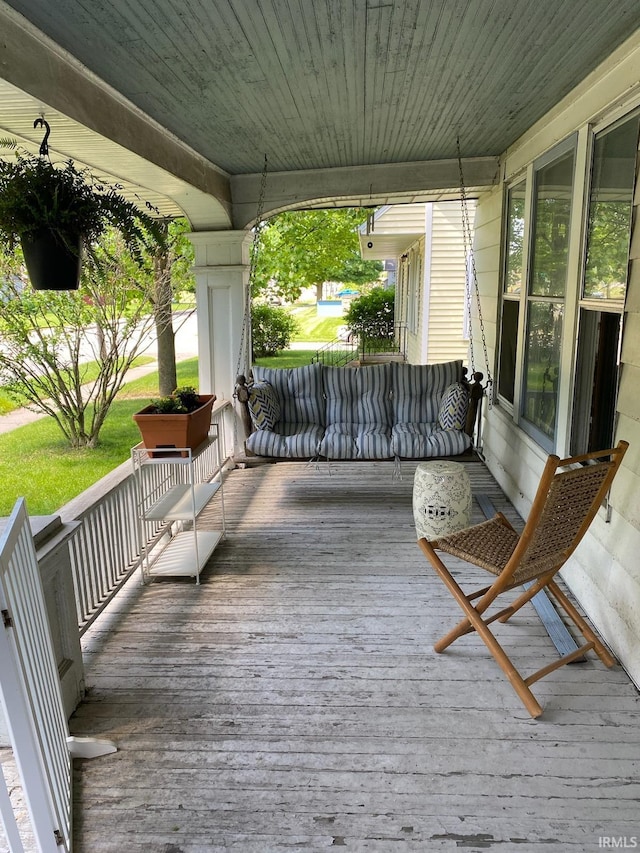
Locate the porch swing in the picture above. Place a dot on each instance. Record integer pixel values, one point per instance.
(375, 412)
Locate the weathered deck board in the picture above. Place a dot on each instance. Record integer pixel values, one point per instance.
(293, 700)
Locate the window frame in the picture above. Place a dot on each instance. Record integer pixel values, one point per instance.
(579, 430)
(513, 406)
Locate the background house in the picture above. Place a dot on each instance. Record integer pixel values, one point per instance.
(427, 243)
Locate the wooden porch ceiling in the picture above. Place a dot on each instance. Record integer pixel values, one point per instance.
(355, 101)
(293, 700)
(328, 84)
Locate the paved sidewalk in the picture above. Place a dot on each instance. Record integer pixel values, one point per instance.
(21, 417)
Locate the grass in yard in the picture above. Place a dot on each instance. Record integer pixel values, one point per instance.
(147, 386)
(314, 328)
(287, 358)
(36, 462)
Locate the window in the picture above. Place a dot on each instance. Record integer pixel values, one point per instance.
(596, 386)
(604, 288)
(414, 289)
(611, 202)
(511, 290)
(561, 316)
(553, 188)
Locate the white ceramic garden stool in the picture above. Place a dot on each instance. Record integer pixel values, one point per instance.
(441, 498)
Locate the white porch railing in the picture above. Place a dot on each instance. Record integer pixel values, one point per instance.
(32, 700)
(107, 549)
(103, 552)
(31, 694)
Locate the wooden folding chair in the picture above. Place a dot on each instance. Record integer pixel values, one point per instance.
(567, 500)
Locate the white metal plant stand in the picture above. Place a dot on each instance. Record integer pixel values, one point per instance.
(170, 500)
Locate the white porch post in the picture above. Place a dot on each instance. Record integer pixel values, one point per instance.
(222, 282)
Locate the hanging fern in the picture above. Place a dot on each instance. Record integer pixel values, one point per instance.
(71, 202)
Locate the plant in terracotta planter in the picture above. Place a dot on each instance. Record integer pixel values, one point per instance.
(180, 420)
(57, 212)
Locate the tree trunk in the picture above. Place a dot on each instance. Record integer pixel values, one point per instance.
(319, 291)
(165, 335)
(102, 343)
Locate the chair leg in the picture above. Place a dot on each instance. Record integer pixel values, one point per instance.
(598, 647)
(474, 621)
(463, 627)
(526, 596)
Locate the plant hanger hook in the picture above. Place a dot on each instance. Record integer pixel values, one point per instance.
(44, 145)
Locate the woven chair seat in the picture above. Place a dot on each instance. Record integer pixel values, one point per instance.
(488, 545)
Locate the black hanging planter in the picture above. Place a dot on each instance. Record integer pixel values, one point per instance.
(51, 264)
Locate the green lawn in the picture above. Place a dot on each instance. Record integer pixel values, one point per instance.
(36, 463)
(313, 328)
(288, 358)
(147, 386)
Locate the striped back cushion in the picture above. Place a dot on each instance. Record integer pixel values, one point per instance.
(418, 389)
(264, 406)
(358, 395)
(299, 392)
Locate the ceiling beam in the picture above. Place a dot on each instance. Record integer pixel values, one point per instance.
(359, 186)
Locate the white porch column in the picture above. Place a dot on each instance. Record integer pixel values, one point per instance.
(222, 283)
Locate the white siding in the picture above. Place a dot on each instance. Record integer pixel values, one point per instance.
(605, 572)
(447, 280)
(441, 302)
(400, 219)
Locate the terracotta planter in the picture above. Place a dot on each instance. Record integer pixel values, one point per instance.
(50, 263)
(172, 431)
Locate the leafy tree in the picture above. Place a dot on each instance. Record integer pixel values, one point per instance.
(355, 270)
(271, 330)
(48, 346)
(608, 249)
(305, 248)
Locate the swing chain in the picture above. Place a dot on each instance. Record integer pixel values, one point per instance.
(241, 390)
(471, 274)
(244, 336)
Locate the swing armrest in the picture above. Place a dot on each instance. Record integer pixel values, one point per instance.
(476, 393)
(241, 393)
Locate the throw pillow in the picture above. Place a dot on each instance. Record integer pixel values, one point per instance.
(453, 407)
(264, 407)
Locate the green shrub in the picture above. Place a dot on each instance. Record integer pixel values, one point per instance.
(371, 316)
(271, 329)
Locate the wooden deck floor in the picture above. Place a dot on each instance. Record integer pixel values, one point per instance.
(293, 701)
